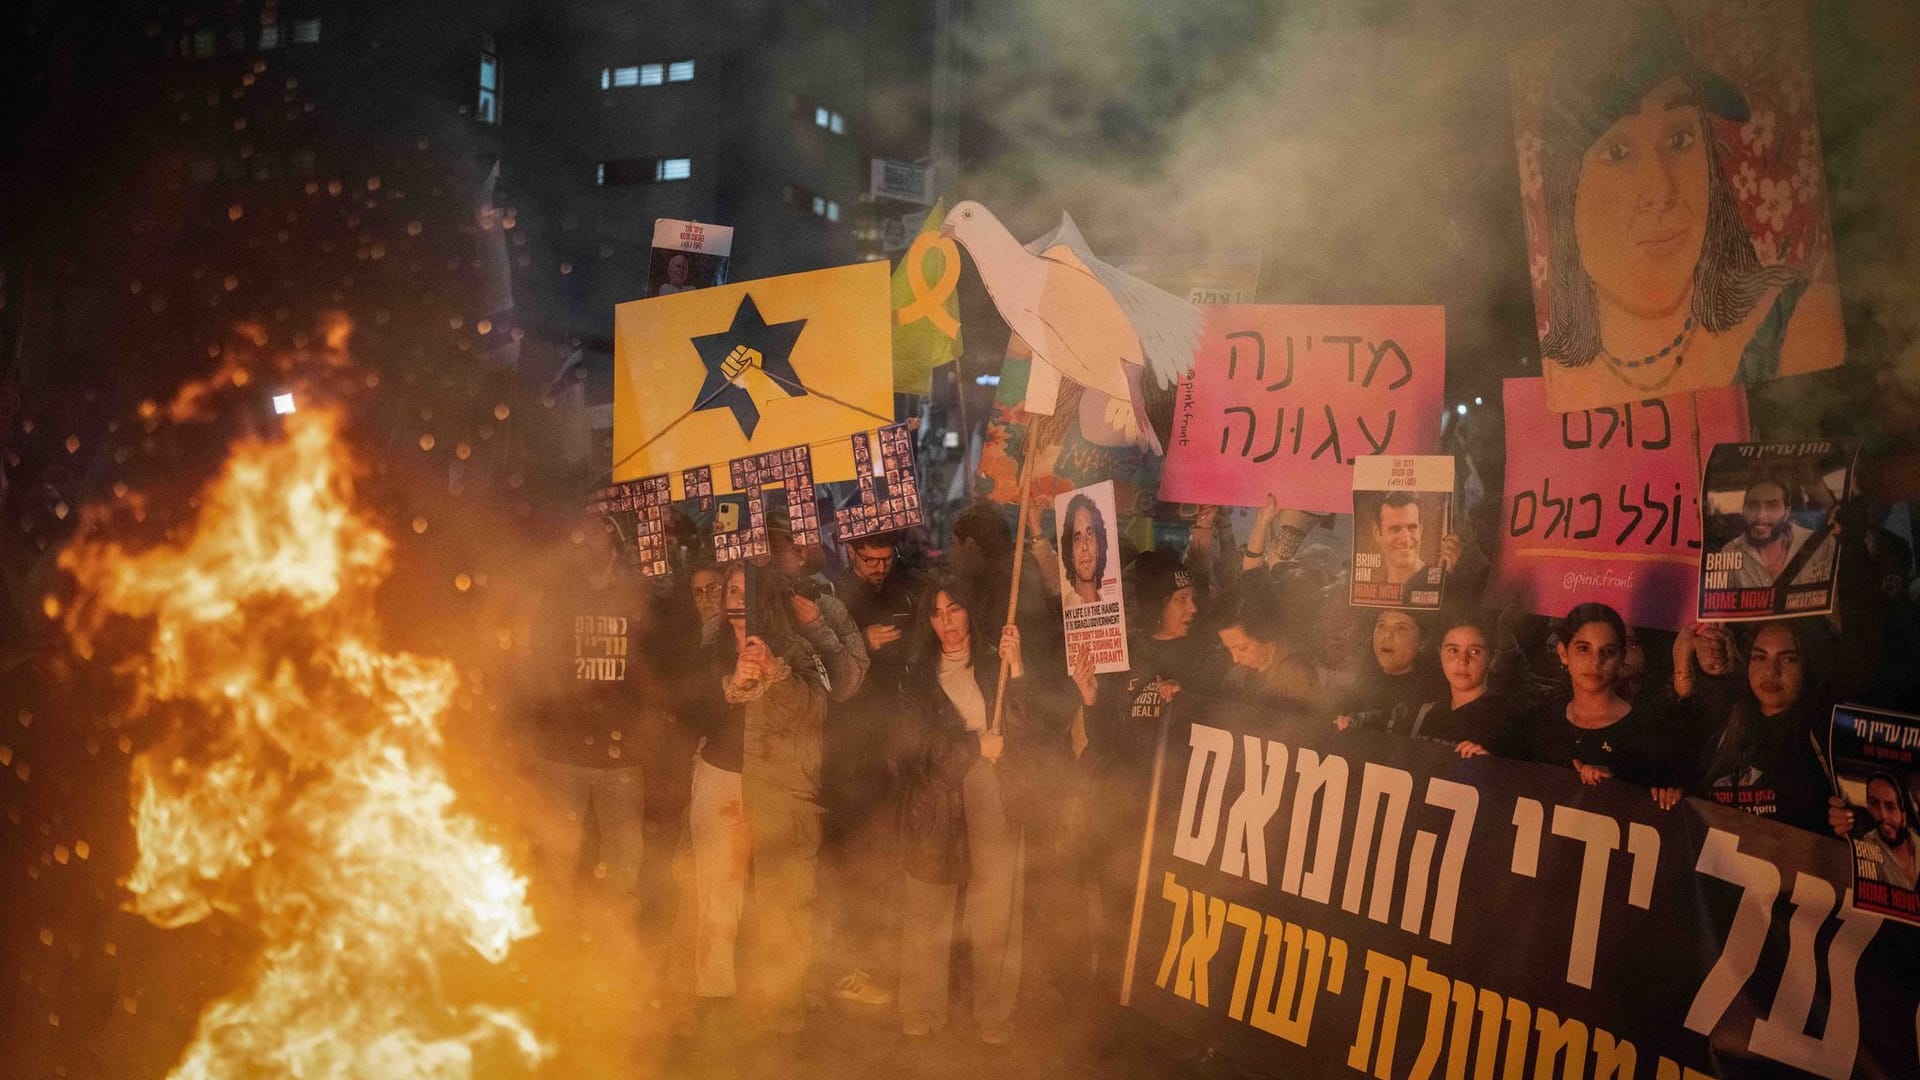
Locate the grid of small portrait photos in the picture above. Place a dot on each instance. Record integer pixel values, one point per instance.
(792, 467)
(647, 500)
(899, 506)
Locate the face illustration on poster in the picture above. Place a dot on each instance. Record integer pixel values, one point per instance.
(1653, 281)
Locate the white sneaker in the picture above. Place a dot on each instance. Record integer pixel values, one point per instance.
(857, 987)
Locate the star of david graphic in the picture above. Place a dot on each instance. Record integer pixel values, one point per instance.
(748, 343)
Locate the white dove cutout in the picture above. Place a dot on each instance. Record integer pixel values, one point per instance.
(1053, 302)
(1169, 332)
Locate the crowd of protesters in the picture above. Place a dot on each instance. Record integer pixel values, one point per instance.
(896, 784)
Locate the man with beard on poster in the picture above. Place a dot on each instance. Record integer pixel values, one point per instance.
(1890, 853)
(1773, 543)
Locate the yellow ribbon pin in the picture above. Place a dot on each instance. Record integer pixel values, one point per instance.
(930, 297)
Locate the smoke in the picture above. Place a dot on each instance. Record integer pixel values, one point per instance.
(1366, 150)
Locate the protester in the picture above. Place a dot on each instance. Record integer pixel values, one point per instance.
(1763, 731)
(1125, 721)
(1592, 728)
(1473, 717)
(819, 616)
(755, 807)
(958, 811)
(859, 871)
(1400, 690)
(708, 585)
(1260, 629)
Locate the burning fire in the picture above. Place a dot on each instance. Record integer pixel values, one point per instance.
(297, 784)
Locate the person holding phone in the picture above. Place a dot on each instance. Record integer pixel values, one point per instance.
(756, 807)
(858, 873)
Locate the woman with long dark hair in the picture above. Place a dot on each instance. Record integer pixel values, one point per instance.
(1654, 285)
(959, 811)
(1593, 729)
(755, 809)
(1763, 726)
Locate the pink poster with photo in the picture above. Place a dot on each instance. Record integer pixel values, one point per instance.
(1604, 504)
(1283, 398)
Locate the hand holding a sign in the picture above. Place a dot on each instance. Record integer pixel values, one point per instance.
(1081, 669)
(1591, 774)
(1449, 552)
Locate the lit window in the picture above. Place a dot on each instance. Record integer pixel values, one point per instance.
(833, 210)
(487, 109)
(820, 205)
(821, 116)
(838, 125)
(270, 36)
(622, 76)
(652, 74)
(680, 71)
(642, 171)
(306, 31)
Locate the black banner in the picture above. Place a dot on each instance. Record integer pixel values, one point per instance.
(1315, 902)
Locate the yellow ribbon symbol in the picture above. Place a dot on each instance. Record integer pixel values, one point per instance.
(930, 297)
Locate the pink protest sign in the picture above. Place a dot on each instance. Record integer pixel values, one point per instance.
(1604, 504)
(1282, 398)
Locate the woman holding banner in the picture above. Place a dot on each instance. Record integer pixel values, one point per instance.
(1594, 729)
(957, 814)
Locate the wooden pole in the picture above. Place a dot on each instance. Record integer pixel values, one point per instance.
(1019, 559)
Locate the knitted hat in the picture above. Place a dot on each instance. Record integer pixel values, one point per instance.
(1156, 576)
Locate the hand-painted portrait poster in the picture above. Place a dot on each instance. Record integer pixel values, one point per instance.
(1675, 200)
(1770, 542)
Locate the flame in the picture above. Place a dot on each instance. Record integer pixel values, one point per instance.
(296, 783)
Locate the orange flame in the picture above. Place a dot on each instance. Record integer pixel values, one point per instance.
(298, 785)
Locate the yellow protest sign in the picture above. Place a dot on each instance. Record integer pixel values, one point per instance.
(703, 377)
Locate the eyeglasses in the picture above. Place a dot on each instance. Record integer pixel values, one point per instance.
(708, 592)
(874, 562)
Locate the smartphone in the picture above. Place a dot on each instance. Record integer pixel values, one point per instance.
(901, 619)
(726, 517)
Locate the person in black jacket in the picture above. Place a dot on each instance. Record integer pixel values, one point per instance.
(1595, 730)
(1762, 728)
(960, 810)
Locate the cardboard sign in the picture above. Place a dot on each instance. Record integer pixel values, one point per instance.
(1402, 508)
(1768, 518)
(1090, 595)
(704, 377)
(1699, 253)
(1283, 398)
(1876, 767)
(688, 255)
(1604, 504)
(889, 488)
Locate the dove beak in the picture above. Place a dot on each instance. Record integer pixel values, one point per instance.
(946, 231)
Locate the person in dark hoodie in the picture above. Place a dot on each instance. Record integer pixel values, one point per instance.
(1763, 726)
(1124, 718)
